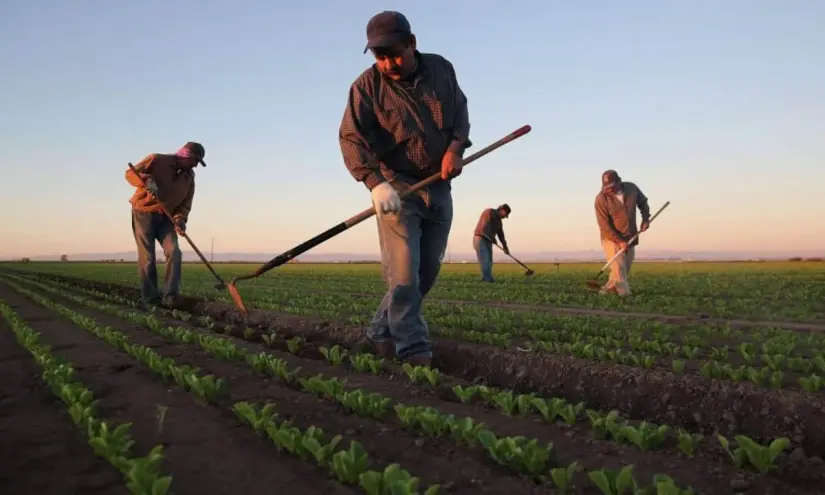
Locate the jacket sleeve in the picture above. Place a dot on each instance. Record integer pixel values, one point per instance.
(353, 136)
(605, 224)
(144, 167)
(461, 118)
(182, 211)
(500, 230)
(644, 206)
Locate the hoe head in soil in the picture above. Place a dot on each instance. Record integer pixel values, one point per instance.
(594, 285)
(236, 297)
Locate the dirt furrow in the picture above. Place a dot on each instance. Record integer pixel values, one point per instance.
(709, 475)
(434, 460)
(660, 396)
(205, 451)
(43, 451)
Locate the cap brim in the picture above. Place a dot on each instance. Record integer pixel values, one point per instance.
(385, 41)
(203, 163)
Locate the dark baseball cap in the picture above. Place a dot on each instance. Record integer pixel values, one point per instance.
(198, 150)
(610, 177)
(386, 29)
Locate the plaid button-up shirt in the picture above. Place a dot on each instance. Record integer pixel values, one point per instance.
(403, 128)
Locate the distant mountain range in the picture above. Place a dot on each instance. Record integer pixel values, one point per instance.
(541, 256)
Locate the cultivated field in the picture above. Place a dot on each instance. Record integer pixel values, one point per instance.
(710, 379)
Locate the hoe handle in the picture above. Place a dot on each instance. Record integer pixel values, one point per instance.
(635, 236)
(360, 217)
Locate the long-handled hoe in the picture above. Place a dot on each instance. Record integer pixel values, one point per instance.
(528, 273)
(355, 220)
(221, 284)
(594, 284)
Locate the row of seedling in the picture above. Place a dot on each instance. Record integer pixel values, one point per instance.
(645, 436)
(114, 443)
(350, 466)
(390, 481)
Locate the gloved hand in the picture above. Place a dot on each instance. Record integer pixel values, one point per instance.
(151, 187)
(385, 199)
(180, 225)
(506, 250)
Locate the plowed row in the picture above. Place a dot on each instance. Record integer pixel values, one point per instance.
(208, 449)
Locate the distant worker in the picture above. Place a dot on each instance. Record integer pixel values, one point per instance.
(488, 227)
(616, 206)
(405, 119)
(170, 179)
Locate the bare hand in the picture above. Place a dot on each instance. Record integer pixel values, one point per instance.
(644, 226)
(623, 246)
(451, 165)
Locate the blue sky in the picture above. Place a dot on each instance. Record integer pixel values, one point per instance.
(718, 107)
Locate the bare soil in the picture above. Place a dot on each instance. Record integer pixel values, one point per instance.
(691, 402)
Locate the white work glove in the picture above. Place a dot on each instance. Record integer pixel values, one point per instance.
(152, 187)
(385, 199)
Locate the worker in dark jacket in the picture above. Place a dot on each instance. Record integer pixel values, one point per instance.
(406, 119)
(616, 206)
(170, 179)
(488, 227)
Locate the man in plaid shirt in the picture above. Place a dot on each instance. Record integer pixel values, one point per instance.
(406, 119)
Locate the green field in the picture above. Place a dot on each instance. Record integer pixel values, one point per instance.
(781, 291)
(537, 385)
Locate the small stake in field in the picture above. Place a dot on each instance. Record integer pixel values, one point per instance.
(594, 283)
(221, 284)
(353, 221)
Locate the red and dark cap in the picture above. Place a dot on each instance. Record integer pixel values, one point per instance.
(197, 150)
(610, 177)
(386, 29)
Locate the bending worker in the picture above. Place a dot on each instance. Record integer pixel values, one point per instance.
(616, 206)
(169, 178)
(488, 227)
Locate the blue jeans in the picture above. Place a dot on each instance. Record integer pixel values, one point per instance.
(412, 244)
(148, 228)
(484, 253)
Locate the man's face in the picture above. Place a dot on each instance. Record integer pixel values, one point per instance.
(396, 61)
(503, 213)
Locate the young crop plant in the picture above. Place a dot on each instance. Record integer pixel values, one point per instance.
(688, 442)
(294, 344)
(365, 404)
(366, 362)
(418, 374)
(142, 474)
(350, 466)
(761, 457)
(812, 383)
(335, 354)
(519, 454)
(562, 477)
(270, 338)
(615, 482)
(329, 388)
(268, 364)
(645, 436)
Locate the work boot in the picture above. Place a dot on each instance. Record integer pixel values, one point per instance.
(385, 349)
(172, 301)
(419, 360)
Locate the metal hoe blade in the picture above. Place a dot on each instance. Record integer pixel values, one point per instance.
(236, 298)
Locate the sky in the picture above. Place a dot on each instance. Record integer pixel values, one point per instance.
(718, 107)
